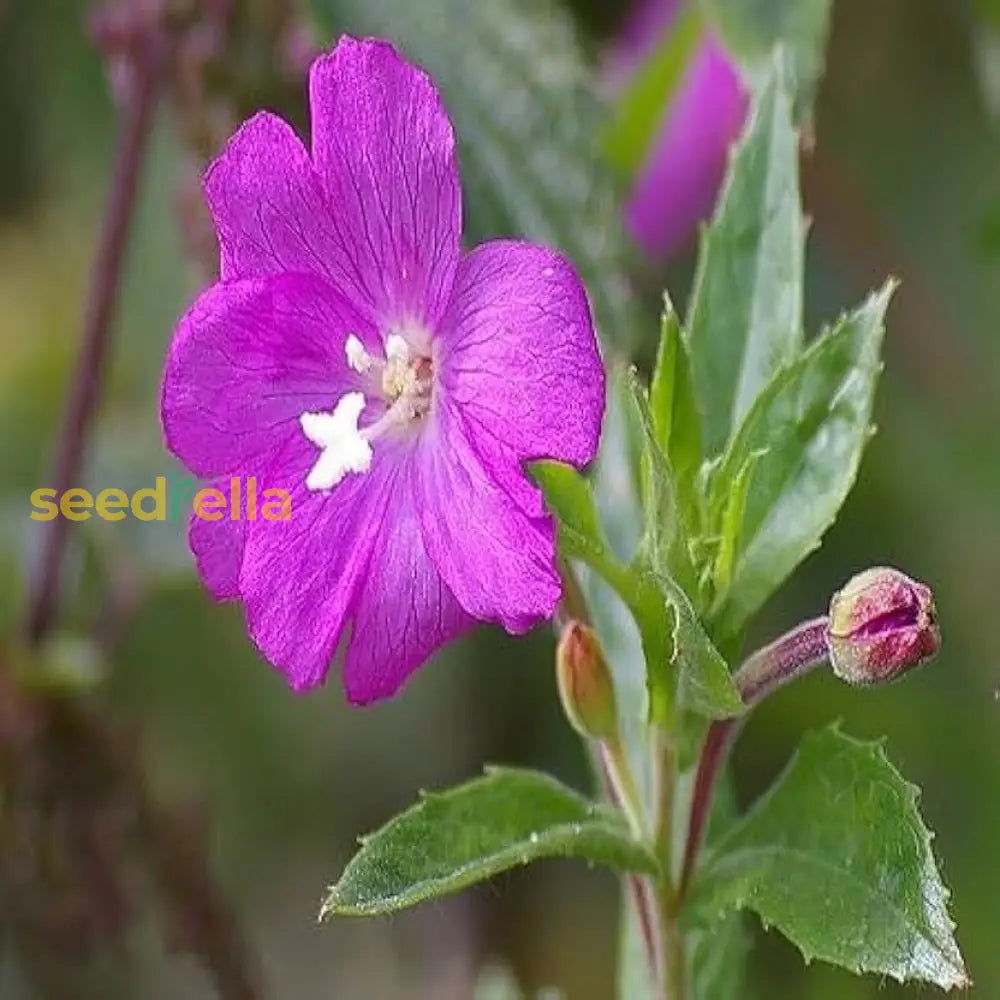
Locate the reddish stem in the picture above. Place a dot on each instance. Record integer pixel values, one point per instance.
(785, 659)
(81, 408)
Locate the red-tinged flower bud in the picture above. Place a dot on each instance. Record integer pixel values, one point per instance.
(882, 624)
(585, 685)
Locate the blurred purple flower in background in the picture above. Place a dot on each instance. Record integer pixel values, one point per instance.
(352, 355)
(676, 187)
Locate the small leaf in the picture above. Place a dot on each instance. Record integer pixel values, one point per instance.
(453, 839)
(671, 398)
(663, 546)
(752, 29)
(673, 635)
(811, 425)
(745, 316)
(837, 857)
(568, 496)
(681, 662)
(732, 522)
(640, 109)
(516, 84)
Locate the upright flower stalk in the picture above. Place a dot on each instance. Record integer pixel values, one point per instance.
(881, 625)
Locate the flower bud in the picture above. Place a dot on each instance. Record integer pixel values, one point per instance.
(585, 686)
(882, 624)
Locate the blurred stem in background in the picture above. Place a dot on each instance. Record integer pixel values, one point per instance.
(139, 43)
(142, 43)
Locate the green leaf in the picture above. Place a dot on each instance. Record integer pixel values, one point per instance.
(518, 90)
(663, 546)
(569, 497)
(453, 839)
(751, 29)
(640, 109)
(745, 316)
(679, 654)
(671, 398)
(681, 662)
(673, 635)
(732, 522)
(810, 425)
(837, 857)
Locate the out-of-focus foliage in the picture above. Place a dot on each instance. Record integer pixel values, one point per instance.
(750, 28)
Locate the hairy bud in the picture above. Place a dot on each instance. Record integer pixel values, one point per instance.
(882, 624)
(585, 685)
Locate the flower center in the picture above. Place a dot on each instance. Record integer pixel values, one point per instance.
(404, 380)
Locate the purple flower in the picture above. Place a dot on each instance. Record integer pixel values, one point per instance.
(677, 186)
(395, 386)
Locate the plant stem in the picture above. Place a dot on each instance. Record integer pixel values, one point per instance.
(638, 887)
(675, 980)
(81, 408)
(794, 654)
(672, 956)
(573, 606)
(665, 775)
(626, 788)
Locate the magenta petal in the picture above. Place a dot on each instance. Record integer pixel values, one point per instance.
(218, 548)
(269, 207)
(519, 356)
(300, 577)
(384, 149)
(404, 612)
(497, 559)
(676, 189)
(247, 360)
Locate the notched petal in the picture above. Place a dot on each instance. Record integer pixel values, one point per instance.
(267, 206)
(384, 151)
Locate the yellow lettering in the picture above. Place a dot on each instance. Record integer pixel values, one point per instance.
(158, 494)
(75, 505)
(45, 507)
(111, 504)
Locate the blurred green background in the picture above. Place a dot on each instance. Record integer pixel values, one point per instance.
(903, 180)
